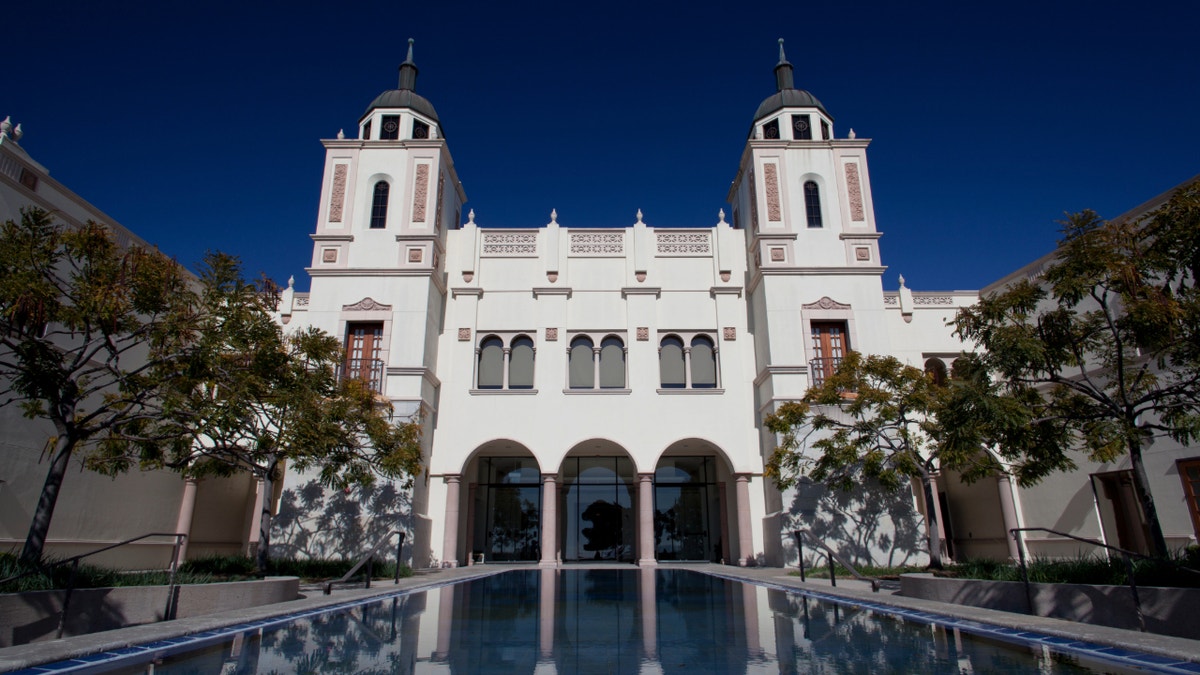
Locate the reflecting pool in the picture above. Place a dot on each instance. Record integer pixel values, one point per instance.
(600, 621)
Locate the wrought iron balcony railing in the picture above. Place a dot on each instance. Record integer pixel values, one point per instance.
(367, 370)
(821, 368)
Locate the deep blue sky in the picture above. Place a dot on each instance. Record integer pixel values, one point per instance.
(197, 124)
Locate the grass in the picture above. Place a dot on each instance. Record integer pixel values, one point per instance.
(212, 569)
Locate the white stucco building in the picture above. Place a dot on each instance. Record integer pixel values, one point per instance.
(598, 393)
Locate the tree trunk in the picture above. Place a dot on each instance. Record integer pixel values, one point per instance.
(1141, 486)
(932, 529)
(264, 519)
(35, 541)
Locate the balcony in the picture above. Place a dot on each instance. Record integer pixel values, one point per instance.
(821, 368)
(369, 371)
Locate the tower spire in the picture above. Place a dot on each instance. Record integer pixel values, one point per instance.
(783, 71)
(408, 70)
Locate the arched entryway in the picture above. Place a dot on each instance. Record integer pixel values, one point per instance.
(692, 503)
(597, 501)
(505, 498)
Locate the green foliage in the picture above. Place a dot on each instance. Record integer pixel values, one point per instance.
(1094, 570)
(87, 576)
(1103, 351)
(875, 413)
(90, 333)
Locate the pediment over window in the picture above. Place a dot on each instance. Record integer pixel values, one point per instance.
(365, 305)
(825, 303)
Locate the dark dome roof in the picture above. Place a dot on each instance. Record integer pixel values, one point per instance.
(786, 98)
(403, 98)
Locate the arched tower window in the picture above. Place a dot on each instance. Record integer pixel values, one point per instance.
(812, 203)
(670, 363)
(704, 363)
(612, 363)
(582, 372)
(379, 204)
(520, 364)
(935, 368)
(491, 363)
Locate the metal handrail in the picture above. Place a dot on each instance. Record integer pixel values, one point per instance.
(368, 560)
(1127, 555)
(830, 556)
(168, 611)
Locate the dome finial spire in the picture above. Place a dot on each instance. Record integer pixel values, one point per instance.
(409, 58)
(783, 71)
(408, 70)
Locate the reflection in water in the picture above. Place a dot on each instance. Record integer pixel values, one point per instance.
(605, 621)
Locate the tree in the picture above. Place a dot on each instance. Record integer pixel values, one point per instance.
(252, 399)
(879, 415)
(1105, 347)
(90, 332)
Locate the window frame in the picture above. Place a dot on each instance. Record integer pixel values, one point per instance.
(812, 205)
(379, 205)
(687, 340)
(598, 340)
(507, 341)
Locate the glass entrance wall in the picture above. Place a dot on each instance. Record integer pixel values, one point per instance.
(508, 508)
(598, 515)
(687, 512)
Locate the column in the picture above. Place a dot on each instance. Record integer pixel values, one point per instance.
(595, 367)
(1008, 510)
(255, 533)
(450, 539)
(745, 542)
(187, 506)
(471, 490)
(646, 520)
(507, 354)
(549, 521)
(687, 367)
(648, 603)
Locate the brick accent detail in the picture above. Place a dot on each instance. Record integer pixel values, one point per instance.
(771, 179)
(854, 191)
(420, 193)
(329, 255)
(729, 333)
(337, 198)
(551, 334)
(643, 333)
(464, 334)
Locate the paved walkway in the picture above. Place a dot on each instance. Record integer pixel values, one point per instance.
(851, 590)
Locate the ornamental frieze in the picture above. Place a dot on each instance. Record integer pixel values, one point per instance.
(598, 243)
(516, 244)
(683, 243)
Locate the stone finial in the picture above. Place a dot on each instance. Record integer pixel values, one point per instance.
(471, 216)
(720, 216)
(639, 215)
(341, 134)
(902, 281)
(409, 58)
(6, 125)
(292, 281)
(852, 134)
(17, 133)
(782, 58)
(554, 216)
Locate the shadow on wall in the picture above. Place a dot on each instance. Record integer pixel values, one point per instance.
(867, 525)
(317, 522)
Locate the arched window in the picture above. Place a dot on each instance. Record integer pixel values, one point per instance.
(582, 371)
(812, 203)
(520, 364)
(935, 368)
(670, 363)
(379, 204)
(491, 363)
(612, 363)
(704, 363)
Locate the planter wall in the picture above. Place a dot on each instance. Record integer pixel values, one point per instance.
(34, 616)
(1168, 611)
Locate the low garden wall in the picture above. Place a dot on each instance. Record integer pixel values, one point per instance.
(34, 616)
(1168, 611)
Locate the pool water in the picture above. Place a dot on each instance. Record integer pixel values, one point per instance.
(597, 621)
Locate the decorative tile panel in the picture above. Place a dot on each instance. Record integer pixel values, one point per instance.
(599, 244)
(932, 300)
(329, 255)
(778, 254)
(854, 191)
(729, 333)
(684, 244)
(415, 255)
(862, 253)
(437, 218)
(464, 334)
(771, 180)
(420, 193)
(643, 333)
(551, 334)
(337, 197)
(509, 244)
